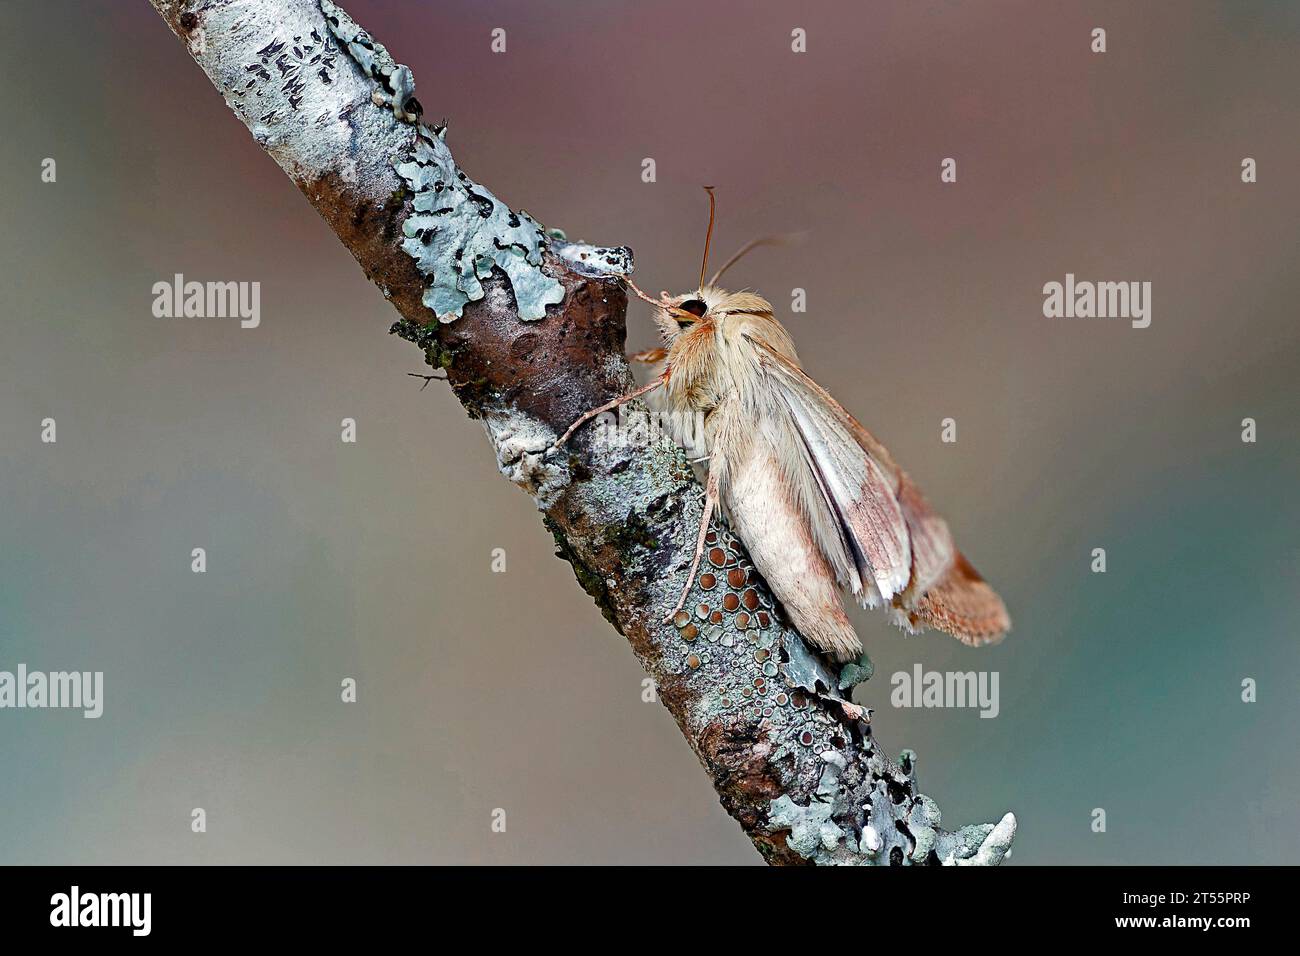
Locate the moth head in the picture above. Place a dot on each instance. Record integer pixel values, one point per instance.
(694, 315)
(707, 308)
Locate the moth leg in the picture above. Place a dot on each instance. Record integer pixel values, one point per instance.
(622, 399)
(710, 502)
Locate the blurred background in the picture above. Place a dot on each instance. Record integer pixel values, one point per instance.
(479, 691)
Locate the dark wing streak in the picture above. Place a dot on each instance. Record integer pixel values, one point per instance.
(862, 491)
(859, 566)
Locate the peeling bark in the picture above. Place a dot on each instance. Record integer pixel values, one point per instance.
(793, 760)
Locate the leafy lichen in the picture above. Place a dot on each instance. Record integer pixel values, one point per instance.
(396, 80)
(458, 231)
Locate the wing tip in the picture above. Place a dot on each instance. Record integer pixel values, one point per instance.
(962, 604)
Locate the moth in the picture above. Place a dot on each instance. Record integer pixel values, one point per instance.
(818, 501)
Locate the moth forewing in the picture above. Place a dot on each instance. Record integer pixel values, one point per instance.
(858, 493)
(765, 504)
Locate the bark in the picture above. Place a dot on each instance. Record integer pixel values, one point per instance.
(531, 335)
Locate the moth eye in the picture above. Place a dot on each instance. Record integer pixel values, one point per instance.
(695, 307)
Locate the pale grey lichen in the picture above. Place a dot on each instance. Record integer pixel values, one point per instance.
(458, 231)
(922, 824)
(597, 260)
(398, 83)
(980, 844)
(521, 444)
(813, 830)
(871, 844)
(856, 672)
(896, 825)
(804, 669)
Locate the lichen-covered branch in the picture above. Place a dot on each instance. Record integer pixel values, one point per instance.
(530, 330)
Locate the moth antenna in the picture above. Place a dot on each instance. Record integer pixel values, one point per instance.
(779, 239)
(707, 237)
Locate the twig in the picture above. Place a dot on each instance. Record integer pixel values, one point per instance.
(529, 347)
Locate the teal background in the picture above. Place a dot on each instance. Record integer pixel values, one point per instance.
(481, 690)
